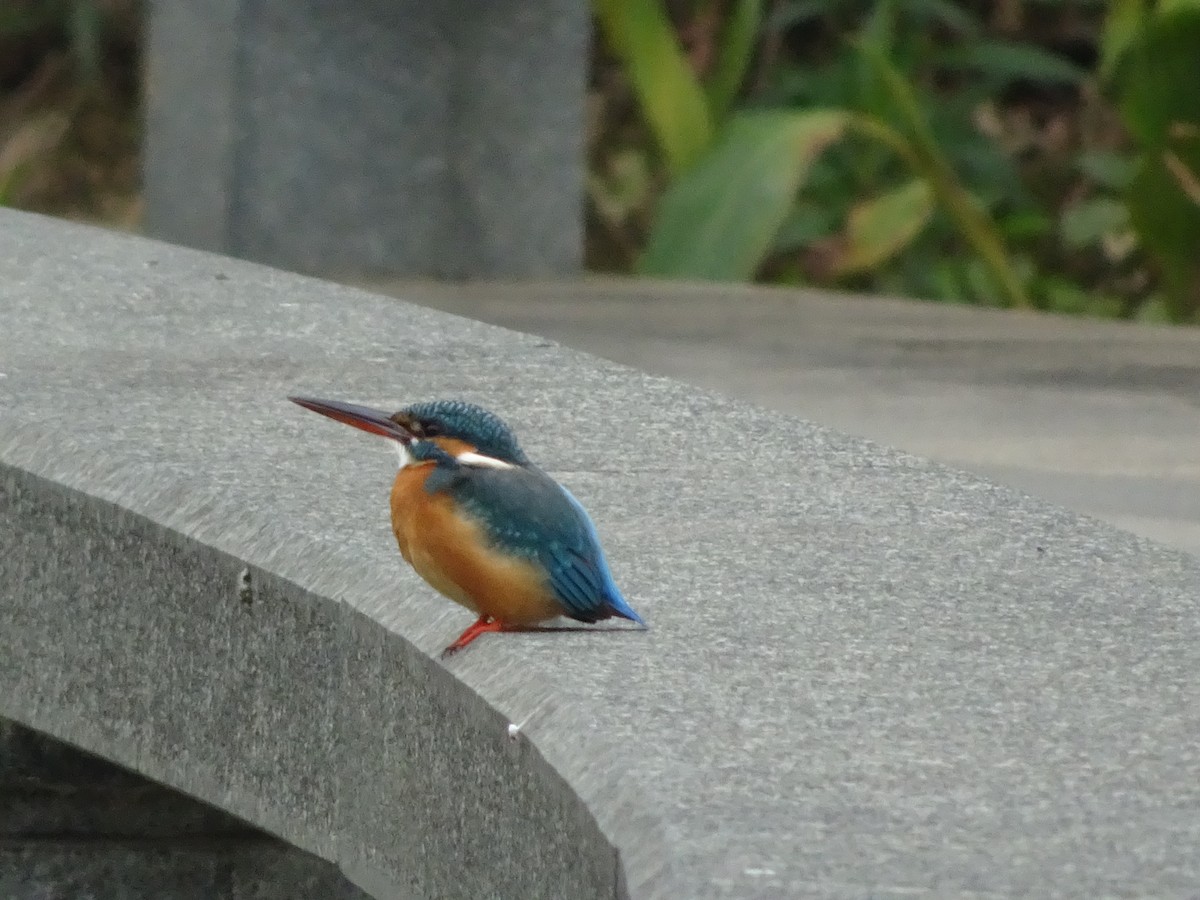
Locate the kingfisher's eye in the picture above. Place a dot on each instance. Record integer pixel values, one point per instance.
(430, 429)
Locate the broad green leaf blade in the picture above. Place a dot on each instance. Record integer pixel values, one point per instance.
(733, 58)
(719, 220)
(1160, 75)
(1092, 220)
(944, 13)
(1164, 207)
(1004, 62)
(1157, 79)
(670, 95)
(878, 229)
(879, 34)
(1121, 26)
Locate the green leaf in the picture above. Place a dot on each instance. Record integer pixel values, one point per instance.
(1066, 297)
(1164, 207)
(87, 37)
(734, 55)
(879, 30)
(1025, 224)
(949, 281)
(1088, 222)
(1107, 168)
(1121, 27)
(1007, 61)
(719, 220)
(1159, 101)
(1160, 75)
(806, 223)
(981, 286)
(796, 12)
(641, 35)
(878, 36)
(1154, 311)
(878, 229)
(944, 13)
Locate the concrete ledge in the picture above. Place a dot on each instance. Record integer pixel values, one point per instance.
(1097, 416)
(867, 673)
(72, 825)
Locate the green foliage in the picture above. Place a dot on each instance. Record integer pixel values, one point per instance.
(877, 229)
(1007, 61)
(671, 98)
(720, 219)
(927, 159)
(1125, 18)
(879, 147)
(735, 53)
(1157, 74)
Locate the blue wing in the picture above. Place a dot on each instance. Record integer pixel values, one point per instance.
(527, 513)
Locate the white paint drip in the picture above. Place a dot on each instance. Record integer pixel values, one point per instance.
(514, 728)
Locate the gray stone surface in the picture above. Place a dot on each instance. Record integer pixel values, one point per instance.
(867, 674)
(1102, 417)
(75, 826)
(369, 136)
(51, 791)
(200, 870)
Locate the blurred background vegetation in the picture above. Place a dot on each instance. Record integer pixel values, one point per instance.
(1019, 153)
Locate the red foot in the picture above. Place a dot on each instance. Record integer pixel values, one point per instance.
(482, 625)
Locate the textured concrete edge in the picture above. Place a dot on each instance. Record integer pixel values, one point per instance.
(311, 816)
(74, 825)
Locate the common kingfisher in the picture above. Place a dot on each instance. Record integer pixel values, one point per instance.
(482, 524)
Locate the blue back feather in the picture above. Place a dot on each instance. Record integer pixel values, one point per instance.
(526, 513)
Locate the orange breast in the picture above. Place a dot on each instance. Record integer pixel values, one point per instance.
(451, 552)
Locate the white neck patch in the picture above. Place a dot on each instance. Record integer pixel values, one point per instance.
(469, 458)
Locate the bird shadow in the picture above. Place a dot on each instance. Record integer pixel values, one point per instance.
(450, 652)
(538, 629)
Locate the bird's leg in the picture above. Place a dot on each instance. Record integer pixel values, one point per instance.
(482, 625)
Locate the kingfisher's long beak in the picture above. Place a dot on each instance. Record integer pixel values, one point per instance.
(372, 420)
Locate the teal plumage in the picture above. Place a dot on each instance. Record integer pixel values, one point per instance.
(526, 513)
(494, 531)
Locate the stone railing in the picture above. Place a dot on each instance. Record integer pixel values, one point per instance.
(409, 137)
(866, 674)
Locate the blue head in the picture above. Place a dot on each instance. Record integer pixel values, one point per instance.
(451, 426)
(447, 421)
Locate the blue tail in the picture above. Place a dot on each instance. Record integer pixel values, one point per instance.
(618, 606)
(614, 603)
